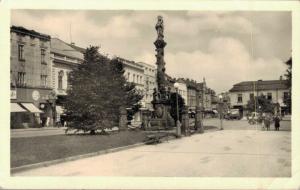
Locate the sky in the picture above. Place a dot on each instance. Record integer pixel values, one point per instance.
(223, 47)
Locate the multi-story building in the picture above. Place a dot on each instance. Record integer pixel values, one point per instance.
(64, 58)
(134, 72)
(149, 84)
(30, 76)
(275, 90)
(182, 90)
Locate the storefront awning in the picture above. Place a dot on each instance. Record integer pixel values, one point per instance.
(59, 110)
(14, 107)
(30, 107)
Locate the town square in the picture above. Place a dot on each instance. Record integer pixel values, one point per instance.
(135, 93)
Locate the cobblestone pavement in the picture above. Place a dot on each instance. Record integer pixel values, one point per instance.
(228, 153)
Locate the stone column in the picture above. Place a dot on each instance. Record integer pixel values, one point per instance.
(123, 119)
(198, 120)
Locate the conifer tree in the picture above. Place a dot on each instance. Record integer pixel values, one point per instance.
(98, 91)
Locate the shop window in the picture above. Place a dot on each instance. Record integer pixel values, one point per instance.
(21, 52)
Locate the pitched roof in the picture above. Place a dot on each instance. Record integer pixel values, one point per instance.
(60, 47)
(259, 85)
(80, 49)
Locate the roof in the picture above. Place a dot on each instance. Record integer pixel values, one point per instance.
(260, 85)
(60, 47)
(32, 33)
(80, 49)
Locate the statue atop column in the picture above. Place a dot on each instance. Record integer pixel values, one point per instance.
(161, 96)
(160, 45)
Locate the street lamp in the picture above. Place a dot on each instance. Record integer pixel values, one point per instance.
(221, 111)
(178, 129)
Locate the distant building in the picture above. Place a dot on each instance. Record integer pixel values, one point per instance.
(182, 90)
(149, 84)
(275, 90)
(30, 77)
(134, 72)
(64, 59)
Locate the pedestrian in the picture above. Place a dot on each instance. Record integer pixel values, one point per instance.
(267, 122)
(277, 122)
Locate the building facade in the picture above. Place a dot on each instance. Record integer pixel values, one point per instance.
(134, 72)
(182, 90)
(274, 90)
(64, 59)
(149, 84)
(30, 76)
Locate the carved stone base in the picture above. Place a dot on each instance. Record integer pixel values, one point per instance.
(162, 118)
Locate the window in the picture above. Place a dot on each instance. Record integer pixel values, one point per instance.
(43, 54)
(21, 52)
(251, 96)
(137, 78)
(60, 79)
(240, 98)
(128, 76)
(21, 79)
(133, 80)
(269, 96)
(141, 79)
(43, 80)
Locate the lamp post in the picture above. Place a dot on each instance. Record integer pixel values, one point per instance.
(178, 125)
(221, 111)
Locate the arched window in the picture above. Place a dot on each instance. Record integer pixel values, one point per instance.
(60, 79)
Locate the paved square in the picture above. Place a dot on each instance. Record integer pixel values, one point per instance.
(227, 153)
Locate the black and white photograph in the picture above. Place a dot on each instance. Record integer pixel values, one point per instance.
(151, 93)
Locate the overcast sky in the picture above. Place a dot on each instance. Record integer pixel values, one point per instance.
(215, 45)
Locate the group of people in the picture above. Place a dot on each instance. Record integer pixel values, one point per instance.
(268, 119)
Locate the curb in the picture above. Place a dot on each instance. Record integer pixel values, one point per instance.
(72, 158)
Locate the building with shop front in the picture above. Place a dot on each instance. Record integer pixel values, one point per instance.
(275, 90)
(64, 58)
(30, 74)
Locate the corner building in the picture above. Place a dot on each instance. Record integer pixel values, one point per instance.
(30, 73)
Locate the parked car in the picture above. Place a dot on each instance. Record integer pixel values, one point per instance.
(233, 114)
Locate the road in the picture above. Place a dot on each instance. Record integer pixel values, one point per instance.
(227, 153)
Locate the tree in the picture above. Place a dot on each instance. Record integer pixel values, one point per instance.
(288, 75)
(181, 103)
(260, 104)
(98, 91)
